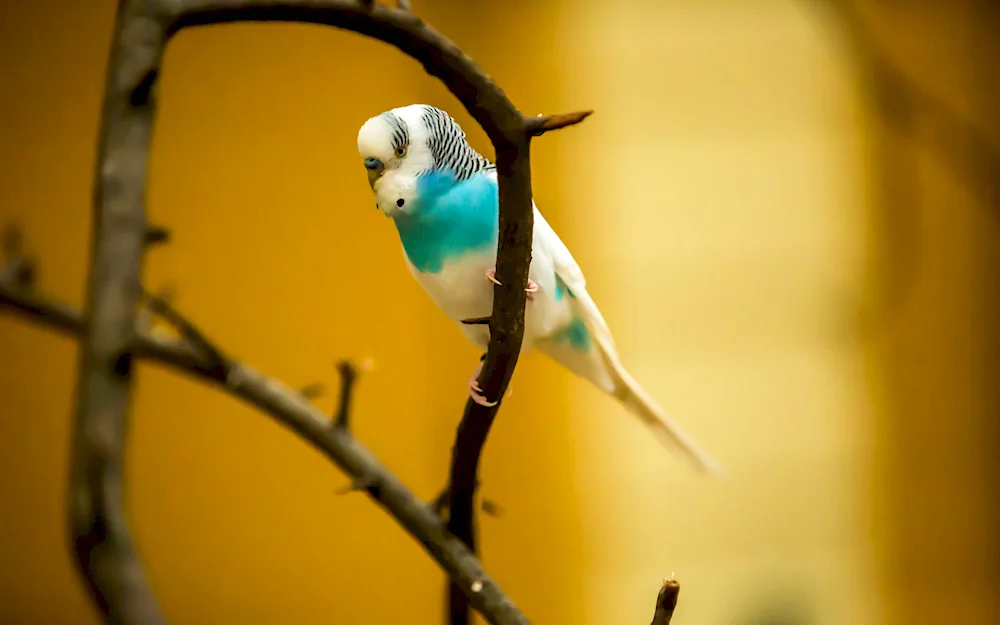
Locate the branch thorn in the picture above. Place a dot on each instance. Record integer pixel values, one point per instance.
(440, 503)
(357, 484)
(491, 508)
(540, 124)
(477, 321)
(312, 391)
(157, 235)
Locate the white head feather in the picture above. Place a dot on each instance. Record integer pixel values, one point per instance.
(410, 141)
(382, 137)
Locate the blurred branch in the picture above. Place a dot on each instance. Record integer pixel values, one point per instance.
(963, 146)
(157, 235)
(20, 269)
(348, 374)
(904, 107)
(288, 407)
(202, 359)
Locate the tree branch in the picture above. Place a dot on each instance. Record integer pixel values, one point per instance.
(501, 357)
(470, 439)
(666, 602)
(290, 409)
(105, 554)
(906, 109)
(964, 147)
(160, 306)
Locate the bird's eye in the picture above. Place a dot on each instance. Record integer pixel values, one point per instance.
(400, 152)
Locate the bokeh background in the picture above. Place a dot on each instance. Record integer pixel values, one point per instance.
(788, 213)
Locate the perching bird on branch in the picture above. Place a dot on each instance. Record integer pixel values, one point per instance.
(443, 197)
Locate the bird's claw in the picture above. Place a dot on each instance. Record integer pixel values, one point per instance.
(480, 399)
(491, 275)
(475, 392)
(531, 290)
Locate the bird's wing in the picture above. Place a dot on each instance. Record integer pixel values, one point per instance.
(569, 272)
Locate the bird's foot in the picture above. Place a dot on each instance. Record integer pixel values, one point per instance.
(475, 392)
(491, 275)
(531, 290)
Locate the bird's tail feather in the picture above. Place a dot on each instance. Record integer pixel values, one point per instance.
(602, 368)
(628, 391)
(659, 422)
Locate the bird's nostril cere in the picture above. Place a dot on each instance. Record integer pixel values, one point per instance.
(372, 163)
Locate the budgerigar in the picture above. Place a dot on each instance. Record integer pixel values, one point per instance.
(443, 198)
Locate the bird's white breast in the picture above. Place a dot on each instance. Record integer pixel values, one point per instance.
(462, 290)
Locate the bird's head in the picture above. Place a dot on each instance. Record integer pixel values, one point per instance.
(401, 147)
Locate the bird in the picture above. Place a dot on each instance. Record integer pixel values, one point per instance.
(443, 197)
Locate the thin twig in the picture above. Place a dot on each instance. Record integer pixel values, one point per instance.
(161, 306)
(348, 375)
(57, 315)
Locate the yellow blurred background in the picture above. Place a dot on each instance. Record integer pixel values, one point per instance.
(811, 290)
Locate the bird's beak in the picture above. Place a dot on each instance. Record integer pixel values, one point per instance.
(375, 168)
